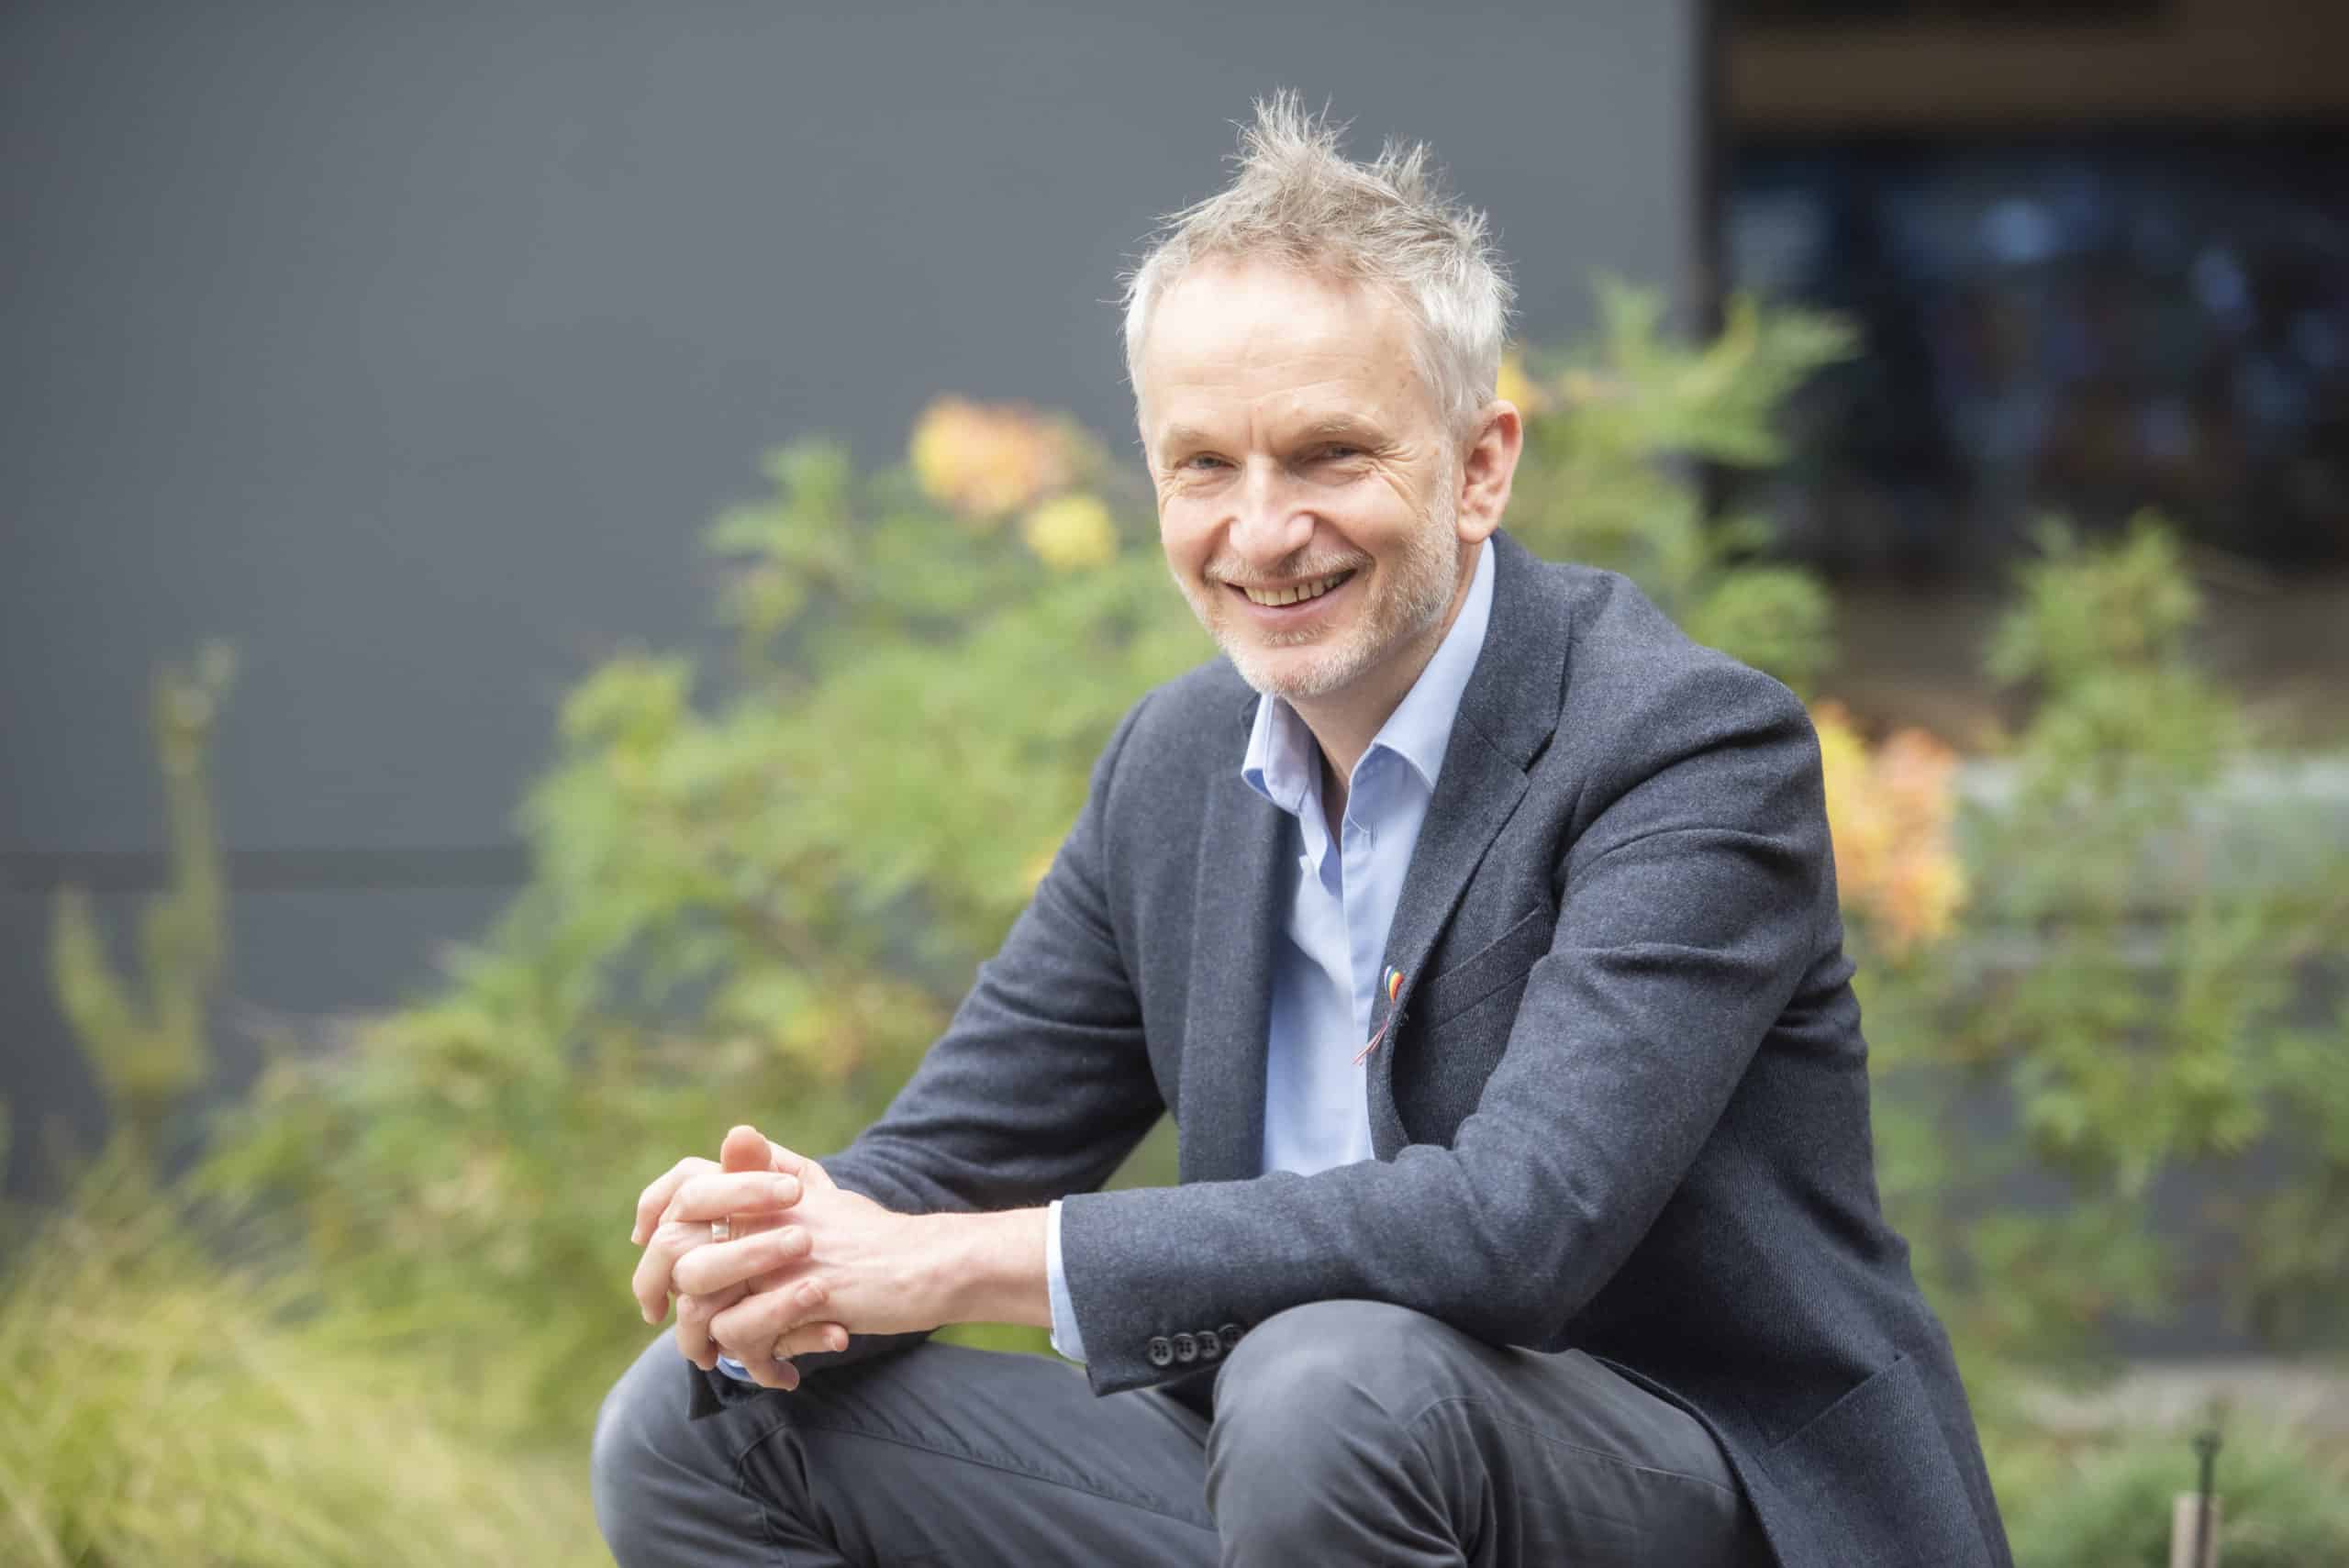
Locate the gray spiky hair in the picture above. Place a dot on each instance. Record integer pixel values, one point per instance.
(1296, 199)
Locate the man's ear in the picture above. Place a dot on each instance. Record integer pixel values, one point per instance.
(1489, 468)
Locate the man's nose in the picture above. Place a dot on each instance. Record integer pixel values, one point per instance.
(1272, 522)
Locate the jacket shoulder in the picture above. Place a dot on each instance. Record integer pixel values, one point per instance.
(1635, 676)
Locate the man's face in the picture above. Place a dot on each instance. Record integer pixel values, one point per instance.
(1308, 492)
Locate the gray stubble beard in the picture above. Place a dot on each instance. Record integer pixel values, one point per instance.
(1431, 572)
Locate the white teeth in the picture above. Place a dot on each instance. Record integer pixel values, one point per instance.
(1277, 597)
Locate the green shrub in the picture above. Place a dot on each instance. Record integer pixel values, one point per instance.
(2141, 1011)
(144, 1036)
(1606, 478)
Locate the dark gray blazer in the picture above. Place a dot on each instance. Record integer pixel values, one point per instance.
(1622, 1106)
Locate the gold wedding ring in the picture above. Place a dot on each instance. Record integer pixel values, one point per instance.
(722, 1229)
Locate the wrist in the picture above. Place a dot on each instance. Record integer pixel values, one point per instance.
(991, 1267)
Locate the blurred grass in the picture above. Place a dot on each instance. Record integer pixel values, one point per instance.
(2284, 1500)
(157, 1406)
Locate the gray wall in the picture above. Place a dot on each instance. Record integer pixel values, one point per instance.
(407, 347)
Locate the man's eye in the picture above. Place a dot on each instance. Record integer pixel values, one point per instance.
(1199, 459)
(1340, 454)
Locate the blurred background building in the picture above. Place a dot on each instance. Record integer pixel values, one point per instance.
(409, 348)
(2100, 249)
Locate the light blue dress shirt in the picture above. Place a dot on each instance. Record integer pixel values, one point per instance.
(1340, 899)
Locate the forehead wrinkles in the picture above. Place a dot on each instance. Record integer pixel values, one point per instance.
(1277, 400)
(1249, 328)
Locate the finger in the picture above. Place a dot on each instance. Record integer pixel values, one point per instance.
(694, 1315)
(811, 1174)
(809, 1339)
(650, 1281)
(716, 1264)
(768, 1373)
(745, 1145)
(716, 1195)
(775, 1371)
(656, 1275)
(752, 1327)
(656, 1198)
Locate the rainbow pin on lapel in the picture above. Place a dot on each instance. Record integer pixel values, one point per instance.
(1394, 989)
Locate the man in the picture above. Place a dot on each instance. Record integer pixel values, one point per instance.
(1480, 933)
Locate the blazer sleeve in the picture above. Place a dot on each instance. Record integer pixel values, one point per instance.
(1690, 911)
(1040, 1085)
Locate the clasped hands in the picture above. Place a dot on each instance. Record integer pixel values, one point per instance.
(806, 1263)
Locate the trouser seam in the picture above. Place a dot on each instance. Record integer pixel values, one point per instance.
(1003, 1465)
(1552, 1438)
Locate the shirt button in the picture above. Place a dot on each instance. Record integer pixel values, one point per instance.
(1186, 1348)
(1161, 1350)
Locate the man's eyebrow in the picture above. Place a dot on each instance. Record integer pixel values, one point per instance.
(1329, 425)
(1349, 424)
(1182, 436)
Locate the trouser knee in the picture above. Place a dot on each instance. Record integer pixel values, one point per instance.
(1313, 1406)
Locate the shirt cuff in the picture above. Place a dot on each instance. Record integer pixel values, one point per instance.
(1065, 1338)
(741, 1374)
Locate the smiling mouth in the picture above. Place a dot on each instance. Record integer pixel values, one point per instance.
(1274, 598)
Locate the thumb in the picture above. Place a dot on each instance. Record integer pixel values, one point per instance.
(809, 1173)
(745, 1149)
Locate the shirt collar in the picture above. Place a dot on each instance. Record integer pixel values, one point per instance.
(1283, 760)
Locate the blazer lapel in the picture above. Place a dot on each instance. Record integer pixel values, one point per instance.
(1228, 1008)
(1507, 714)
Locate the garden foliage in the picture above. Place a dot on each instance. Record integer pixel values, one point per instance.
(758, 890)
(2129, 1002)
(158, 1406)
(2109, 1507)
(145, 1037)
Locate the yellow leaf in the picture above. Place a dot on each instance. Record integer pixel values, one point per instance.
(1890, 814)
(986, 460)
(1071, 533)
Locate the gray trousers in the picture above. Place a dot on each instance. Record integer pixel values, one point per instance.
(1344, 1432)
